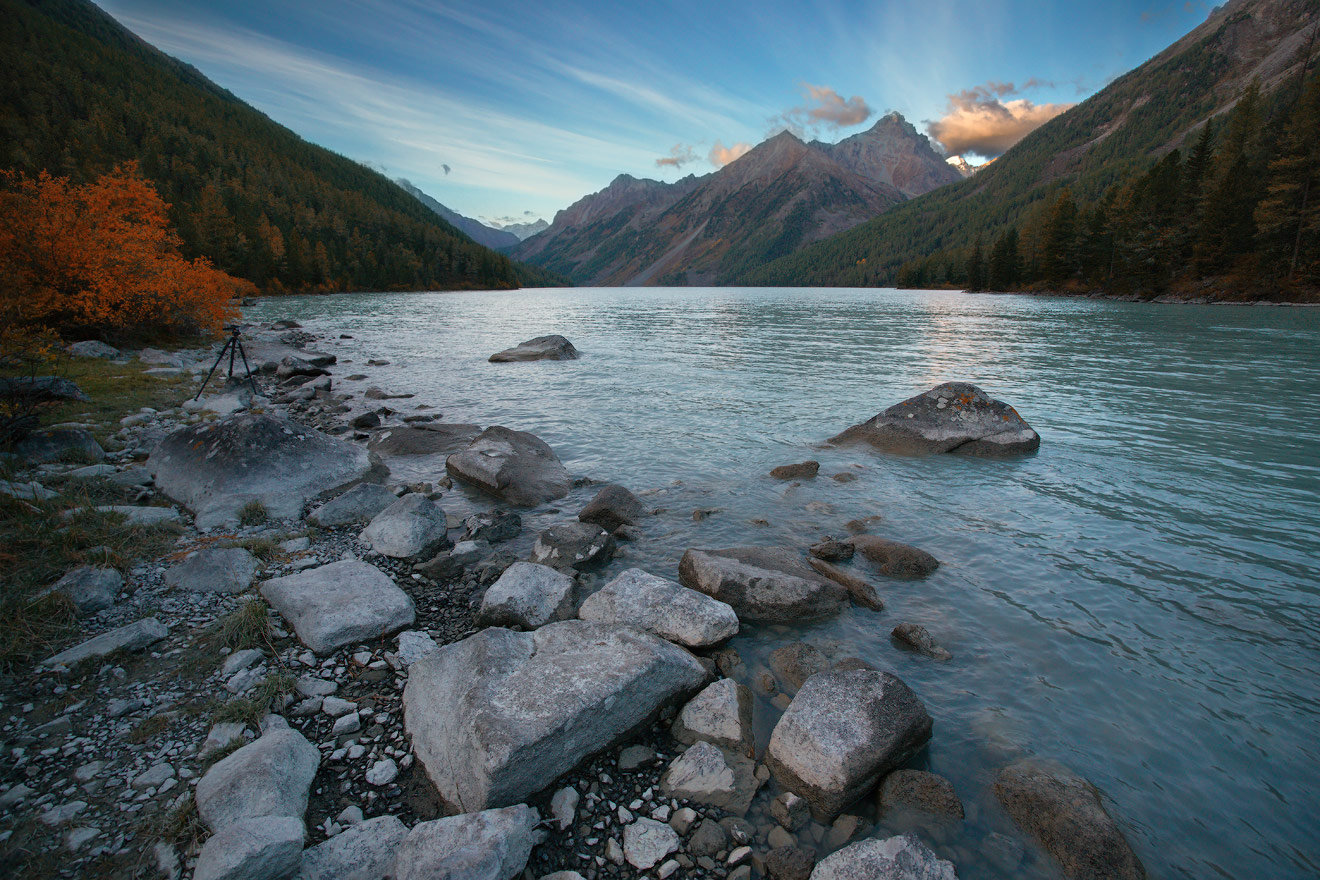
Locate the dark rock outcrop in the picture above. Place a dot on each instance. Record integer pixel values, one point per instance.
(542, 348)
(953, 417)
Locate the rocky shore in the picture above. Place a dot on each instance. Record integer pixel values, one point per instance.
(336, 674)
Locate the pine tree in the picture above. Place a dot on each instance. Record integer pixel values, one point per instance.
(1288, 218)
(976, 267)
(1058, 258)
(1005, 264)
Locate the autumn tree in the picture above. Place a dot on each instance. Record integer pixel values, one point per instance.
(1288, 218)
(101, 259)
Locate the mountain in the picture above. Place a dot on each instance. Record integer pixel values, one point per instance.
(524, 231)
(1113, 136)
(82, 94)
(962, 166)
(779, 196)
(473, 229)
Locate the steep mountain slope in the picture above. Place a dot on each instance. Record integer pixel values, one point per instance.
(524, 231)
(473, 229)
(81, 94)
(781, 195)
(1111, 136)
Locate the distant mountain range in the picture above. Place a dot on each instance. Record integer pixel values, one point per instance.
(779, 196)
(1113, 136)
(524, 231)
(474, 229)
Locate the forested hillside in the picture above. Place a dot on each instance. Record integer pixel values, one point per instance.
(1094, 158)
(80, 94)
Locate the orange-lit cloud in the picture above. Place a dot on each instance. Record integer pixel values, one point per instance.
(979, 121)
(825, 108)
(721, 155)
(679, 155)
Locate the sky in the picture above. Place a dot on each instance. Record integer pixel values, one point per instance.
(508, 110)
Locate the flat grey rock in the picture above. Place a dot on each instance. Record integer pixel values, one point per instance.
(358, 505)
(339, 604)
(542, 348)
(514, 465)
(660, 606)
(366, 851)
(90, 589)
(501, 715)
(216, 468)
(93, 348)
(528, 595)
(268, 777)
(903, 857)
(130, 637)
(953, 417)
(214, 570)
(412, 526)
(844, 731)
(757, 592)
(646, 842)
(261, 848)
(574, 545)
(487, 845)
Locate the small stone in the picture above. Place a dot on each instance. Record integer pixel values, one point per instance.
(563, 806)
(77, 838)
(350, 815)
(682, 820)
(240, 660)
(346, 724)
(646, 842)
(153, 777)
(336, 707)
(382, 773)
(635, 756)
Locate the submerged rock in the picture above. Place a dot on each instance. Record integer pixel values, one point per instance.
(920, 791)
(953, 417)
(804, 471)
(895, 560)
(842, 733)
(1065, 815)
(612, 507)
(862, 593)
(917, 638)
(501, 715)
(216, 468)
(514, 465)
(542, 348)
(737, 577)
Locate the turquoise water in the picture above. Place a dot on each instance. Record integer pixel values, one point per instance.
(1138, 600)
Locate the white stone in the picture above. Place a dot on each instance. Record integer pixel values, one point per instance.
(904, 857)
(414, 645)
(335, 707)
(240, 660)
(153, 777)
(382, 772)
(646, 842)
(268, 777)
(720, 714)
(412, 526)
(563, 806)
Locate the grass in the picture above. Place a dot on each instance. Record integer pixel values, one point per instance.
(252, 514)
(147, 728)
(246, 627)
(263, 548)
(252, 708)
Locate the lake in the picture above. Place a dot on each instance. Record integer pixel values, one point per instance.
(1140, 599)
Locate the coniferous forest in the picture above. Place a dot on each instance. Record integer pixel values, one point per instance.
(82, 95)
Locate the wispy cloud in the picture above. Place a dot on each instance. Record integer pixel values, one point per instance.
(679, 155)
(824, 109)
(721, 155)
(979, 121)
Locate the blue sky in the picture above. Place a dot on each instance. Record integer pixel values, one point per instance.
(531, 105)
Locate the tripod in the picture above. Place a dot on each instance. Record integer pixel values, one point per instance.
(233, 345)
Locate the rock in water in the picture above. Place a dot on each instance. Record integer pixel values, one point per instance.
(638, 599)
(903, 857)
(737, 577)
(919, 639)
(432, 439)
(214, 570)
(572, 545)
(920, 791)
(216, 468)
(514, 465)
(501, 715)
(269, 777)
(1064, 813)
(412, 526)
(806, 470)
(528, 595)
(489, 845)
(612, 507)
(842, 732)
(542, 348)
(340, 603)
(953, 417)
(894, 559)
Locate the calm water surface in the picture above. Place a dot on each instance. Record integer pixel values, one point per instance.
(1138, 600)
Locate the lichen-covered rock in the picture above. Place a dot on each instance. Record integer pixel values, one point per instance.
(215, 468)
(1065, 815)
(705, 774)
(642, 600)
(502, 714)
(514, 465)
(842, 733)
(953, 417)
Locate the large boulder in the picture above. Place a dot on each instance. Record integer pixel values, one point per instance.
(339, 604)
(93, 348)
(365, 851)
(410, 527)
(660, 606)
(40, 388)
(903, 857)
(612, 507)
(895, 560)
(514, 465)
(573, 545)
(843, 731)
(214, 570)
(425, 439)
(542, 348)
(260, 848)
(527, 596)
(486, 845)
(358, 505)
(268, 777)
(755, 582)
(502, 714)
(953, 417)
(1065, 815)
(216, 468)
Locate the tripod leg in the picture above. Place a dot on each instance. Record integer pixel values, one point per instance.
(231, 357)
(247, 368)
(218, 359)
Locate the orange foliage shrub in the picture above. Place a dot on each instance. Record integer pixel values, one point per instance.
(101, 258)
